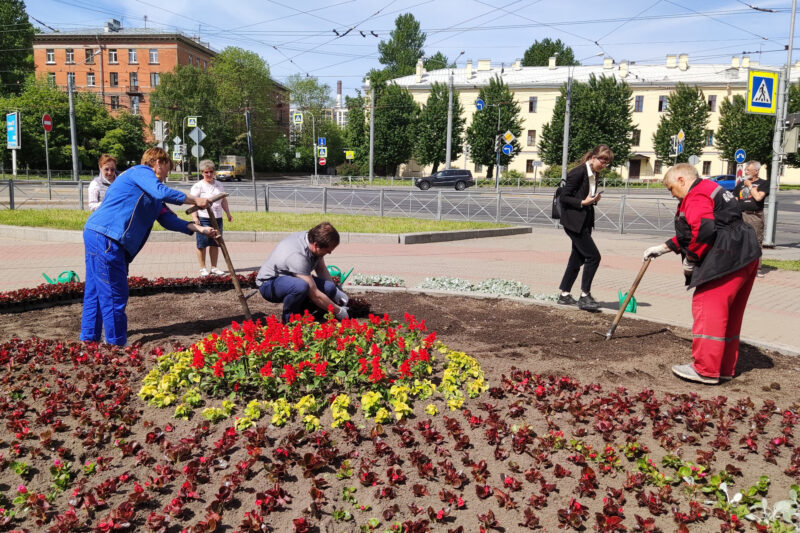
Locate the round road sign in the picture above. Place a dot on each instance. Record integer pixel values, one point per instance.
(480, 104)
(47, 122)
(322, 161)
(740, 155)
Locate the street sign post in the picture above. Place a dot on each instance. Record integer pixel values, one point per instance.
(198, 151)
(321, 141)
(197, 135)
(47, 125)
(480, 104)
(297, 118)
(322, 161)
(762, 92)
(191, 122)
(508, 137)
(508, 149)
(322, 151)
(740, 155)
(13, 138)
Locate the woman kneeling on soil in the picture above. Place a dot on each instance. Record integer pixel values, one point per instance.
(580, 194)
(720, 261)
(115, 233)
(208, 187)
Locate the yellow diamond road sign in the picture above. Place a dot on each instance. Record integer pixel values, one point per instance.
(762, 92)
(508, 137)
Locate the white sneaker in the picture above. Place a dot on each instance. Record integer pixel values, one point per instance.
(217, 272)
(203, 272)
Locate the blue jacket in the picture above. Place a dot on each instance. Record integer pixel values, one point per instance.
(133, 202)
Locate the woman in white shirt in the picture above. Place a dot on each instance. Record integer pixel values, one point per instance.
(99, 185)
(208, 187)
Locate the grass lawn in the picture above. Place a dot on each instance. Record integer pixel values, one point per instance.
(250, 221)
(781, 264)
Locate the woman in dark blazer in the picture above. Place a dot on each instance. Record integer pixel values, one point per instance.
(580, 194)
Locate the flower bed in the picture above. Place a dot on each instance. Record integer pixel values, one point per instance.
(303, 366)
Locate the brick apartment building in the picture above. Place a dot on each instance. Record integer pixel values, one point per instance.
(124, 65)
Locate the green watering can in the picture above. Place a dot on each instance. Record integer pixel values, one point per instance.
(631, 307)
(333, 270)
(67, 276)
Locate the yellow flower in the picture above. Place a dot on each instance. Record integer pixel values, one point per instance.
(311, 422)
(382, 416)
(431, 409)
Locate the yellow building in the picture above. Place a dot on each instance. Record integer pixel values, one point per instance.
(536, 90)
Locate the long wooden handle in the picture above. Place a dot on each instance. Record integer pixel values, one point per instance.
(211, 200)
(234, 277)
(628, 297)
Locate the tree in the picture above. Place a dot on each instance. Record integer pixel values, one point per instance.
(395, 120)
(687, 110)
(307, 92)
(191, 91)
(356, 131)
(97, 130)
(431, 144)
(16, 43)
(402, 51)
(738, 129)
(600, 113)
(243, 83)
(540, 52)
(437, 61)
(482, 133)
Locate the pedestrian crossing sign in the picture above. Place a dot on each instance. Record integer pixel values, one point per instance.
(762, 92)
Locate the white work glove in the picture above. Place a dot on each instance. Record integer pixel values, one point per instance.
(688, 267)
(655, 251)
(341, 314)
(341, 298)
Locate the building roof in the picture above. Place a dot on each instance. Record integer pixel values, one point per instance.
(634, 74)
(121, 35)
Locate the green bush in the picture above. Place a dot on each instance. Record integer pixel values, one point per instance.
(351, 169)
(551, 176)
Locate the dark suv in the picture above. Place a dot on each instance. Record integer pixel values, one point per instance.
(460, 179)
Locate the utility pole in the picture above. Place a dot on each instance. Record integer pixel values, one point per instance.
(565, 142)
(72, 129)
(371, 132)
(497, 152)
(777, 139)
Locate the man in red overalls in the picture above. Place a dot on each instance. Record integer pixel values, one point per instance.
(720, 260)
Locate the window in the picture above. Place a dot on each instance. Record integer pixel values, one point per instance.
(90, 79)
(706, 168)
(133, 77)
(638, 104)
(529, 166)
(50, 55)
(71, 78)
(135, 105)
(531, 137)
(115, 102)
(112, 56)
(637, 137)
(712, 103)
(51, 78)
(89, 56)
(153, 55)
(191, 59)
(533, 102)
(113, 79)
(657, 167)
(205, 64)
(662, 104)
(133, 56)
(154, 79)
(70, 55)
(709, 137)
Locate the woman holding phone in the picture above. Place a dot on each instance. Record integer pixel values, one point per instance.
(580, 194)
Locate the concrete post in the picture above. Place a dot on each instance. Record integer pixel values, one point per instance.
(324, 200)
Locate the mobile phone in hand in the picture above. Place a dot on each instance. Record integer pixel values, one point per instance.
(601, 191)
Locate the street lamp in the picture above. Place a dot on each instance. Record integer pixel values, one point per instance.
(314, 141)
(72, 126)
(450, 115)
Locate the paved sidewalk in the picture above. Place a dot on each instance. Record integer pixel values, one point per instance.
(537, 260)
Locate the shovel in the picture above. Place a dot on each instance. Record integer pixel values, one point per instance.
(221, 242)
(628, 297)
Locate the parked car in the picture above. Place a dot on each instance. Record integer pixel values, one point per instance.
(726, 181)
(459, 179)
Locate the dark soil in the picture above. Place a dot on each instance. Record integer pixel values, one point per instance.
(502, 335)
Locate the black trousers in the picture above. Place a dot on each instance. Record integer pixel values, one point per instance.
(584, 253)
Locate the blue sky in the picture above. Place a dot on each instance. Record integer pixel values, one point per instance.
(299, 37)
